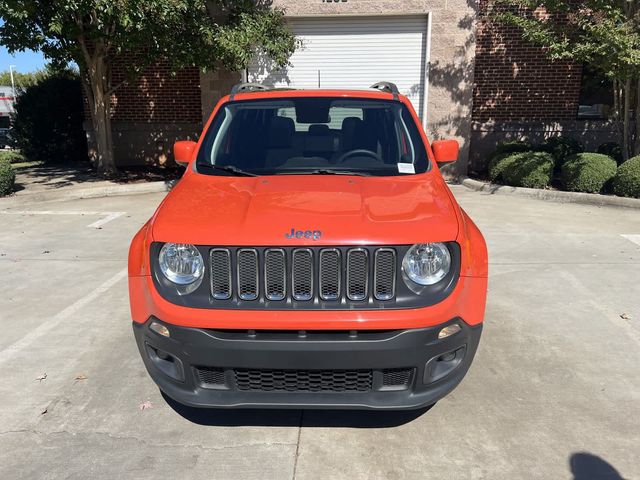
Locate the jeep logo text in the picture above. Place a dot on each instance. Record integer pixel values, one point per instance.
(313, 234)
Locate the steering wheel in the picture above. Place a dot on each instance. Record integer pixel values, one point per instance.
(358, 151)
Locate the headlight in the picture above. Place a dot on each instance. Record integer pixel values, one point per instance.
(181, 263)
(427, 263)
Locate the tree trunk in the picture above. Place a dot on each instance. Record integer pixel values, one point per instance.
(102, 128)
(636, 150)
(626, 120)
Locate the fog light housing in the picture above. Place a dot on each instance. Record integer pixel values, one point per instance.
(448, 331)
(160, 329)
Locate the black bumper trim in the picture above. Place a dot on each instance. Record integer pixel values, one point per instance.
(376, 351)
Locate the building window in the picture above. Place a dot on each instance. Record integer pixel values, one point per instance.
(596, 96)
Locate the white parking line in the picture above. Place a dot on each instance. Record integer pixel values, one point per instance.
(632, 238)
(43, 329)
(108, 216)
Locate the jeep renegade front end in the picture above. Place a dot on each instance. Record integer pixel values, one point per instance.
(311, 256)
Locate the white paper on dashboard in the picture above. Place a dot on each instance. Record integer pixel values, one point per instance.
(406, 168)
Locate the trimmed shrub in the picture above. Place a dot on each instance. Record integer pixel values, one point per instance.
(513, 146)
(562, 148)
(626, 183)
(47, 123)
(12, 156)
(497, 164)
(528, 169)
(587, 172)
(611, 149)
(7, 178)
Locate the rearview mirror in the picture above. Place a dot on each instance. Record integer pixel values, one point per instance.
(445, 151)
(183, 151)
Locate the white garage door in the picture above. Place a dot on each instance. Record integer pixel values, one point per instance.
(355, 52)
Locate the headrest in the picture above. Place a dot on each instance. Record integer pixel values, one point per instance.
(318, 130)
(281, 130)
(349, 127)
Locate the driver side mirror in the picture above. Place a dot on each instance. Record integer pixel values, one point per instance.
(445, 151)
(183, 152)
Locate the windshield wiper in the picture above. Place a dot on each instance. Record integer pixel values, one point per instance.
(327, 171)
(228, 168)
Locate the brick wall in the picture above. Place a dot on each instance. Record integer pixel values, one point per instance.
(514, 81)
(158, 97)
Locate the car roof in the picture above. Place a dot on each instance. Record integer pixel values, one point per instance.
(310, 93)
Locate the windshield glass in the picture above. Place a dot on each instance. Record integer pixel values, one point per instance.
(317, 135)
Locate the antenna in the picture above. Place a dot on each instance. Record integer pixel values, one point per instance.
(318, 78)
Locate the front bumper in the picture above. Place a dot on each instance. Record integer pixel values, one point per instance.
(382, 369)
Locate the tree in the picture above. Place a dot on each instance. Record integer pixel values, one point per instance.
(24, 80)
(94, 33)
(602, 34)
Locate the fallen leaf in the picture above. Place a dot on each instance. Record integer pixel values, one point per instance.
(43, 412)
(625, 316)
(145, 405)
(41, 377)
(80, 376)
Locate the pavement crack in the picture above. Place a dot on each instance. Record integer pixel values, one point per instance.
(295, 462)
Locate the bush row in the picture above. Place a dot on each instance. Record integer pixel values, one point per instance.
(522, 164)
(11, 156)
(7, 177)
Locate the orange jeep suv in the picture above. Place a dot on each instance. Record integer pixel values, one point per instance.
(312, 256)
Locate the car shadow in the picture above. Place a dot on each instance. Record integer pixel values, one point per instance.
(294, 418)
(586, 466)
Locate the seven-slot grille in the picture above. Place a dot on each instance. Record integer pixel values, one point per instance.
(304, 274)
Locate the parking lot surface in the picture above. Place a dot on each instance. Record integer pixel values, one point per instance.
(554, 391)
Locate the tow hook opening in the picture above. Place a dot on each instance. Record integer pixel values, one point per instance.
(165, 362)
(442, 365)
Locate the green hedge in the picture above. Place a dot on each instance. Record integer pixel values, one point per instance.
(523, 169)
(7, 178)
(611, 149)
(513, 146)
(47, 123)
(12, 156)
(587, 172)
(626, 183)
(562, 148)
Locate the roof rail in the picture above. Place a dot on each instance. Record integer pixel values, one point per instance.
(246, 87)
(387, 87)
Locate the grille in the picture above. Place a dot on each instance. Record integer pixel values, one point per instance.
(357, 274)
(210, 376)
(247, 274)
(396, 378)
(275, 274)
(220, 273)
(384, 287)
(304, 380)
(331, 276)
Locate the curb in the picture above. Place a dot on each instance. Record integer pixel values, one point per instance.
(552, 195)
(91, 192)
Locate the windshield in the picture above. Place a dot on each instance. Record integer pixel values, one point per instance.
(317, 135)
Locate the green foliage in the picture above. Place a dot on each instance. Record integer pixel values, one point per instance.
(7, 178)
(47, 123)
(562, 148)
(27, 79)
(11, 156)
(529, 169)
(497, 164)
(512, 146)
(587, 172)
(626, 183)
(611, 149)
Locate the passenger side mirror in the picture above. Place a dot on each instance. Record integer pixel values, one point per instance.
(445, 151)
(183, 152)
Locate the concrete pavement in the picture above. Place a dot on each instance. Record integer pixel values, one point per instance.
(554, 391)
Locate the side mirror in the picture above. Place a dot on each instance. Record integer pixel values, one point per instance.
(445, 151)
(183, 152)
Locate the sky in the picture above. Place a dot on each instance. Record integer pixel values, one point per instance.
(24, 61)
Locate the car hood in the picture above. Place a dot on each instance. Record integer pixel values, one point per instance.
(347, 210)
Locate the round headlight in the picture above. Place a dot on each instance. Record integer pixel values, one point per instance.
(427, 263)
(181, 263)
